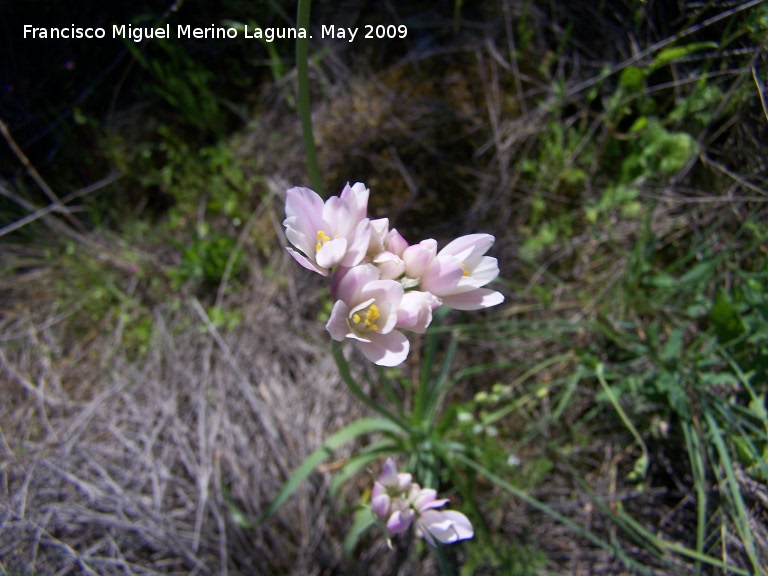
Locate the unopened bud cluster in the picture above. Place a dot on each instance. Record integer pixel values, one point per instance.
(400, 503)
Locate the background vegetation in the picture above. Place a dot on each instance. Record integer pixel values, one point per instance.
(163, 364)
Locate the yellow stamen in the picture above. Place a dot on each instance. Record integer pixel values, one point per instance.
(463, 267)
(365, 321)
(322, 238)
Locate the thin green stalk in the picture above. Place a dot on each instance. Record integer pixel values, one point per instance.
(444, 567)
(440, 385)
(739, 515)
(403, 548)
(537, 504)
(420, 397)
(680, 549)
(693, 444)
(346, 375)
(624, 418)
(385, 385)
(305, 109)
(649, 540)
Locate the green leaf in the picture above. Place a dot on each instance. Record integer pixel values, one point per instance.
(670, 55)
(640, 124)
(335, 441)
(364, 521)
(662, 280)
(674, 345)
(757, 405)
(676, 150)
(728, 324)
(632, 78)
(359, 461)
(700, 273)
(448, 420)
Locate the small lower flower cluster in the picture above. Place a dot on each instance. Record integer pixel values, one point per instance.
(381, 284)
(400, 502)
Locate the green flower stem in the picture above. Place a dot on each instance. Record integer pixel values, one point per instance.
(346, 375)
(305, 109)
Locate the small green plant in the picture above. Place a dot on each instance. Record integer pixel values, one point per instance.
(211, 175)
(98, 295)
(210, 258)
(183, 84)
(695, 360)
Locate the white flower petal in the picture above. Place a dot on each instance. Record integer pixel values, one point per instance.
(415, 311)
(305, 205)
(299, 237)
(337, 324)
(469, 246)
(331, 252)
(446, 526)
(400, 521)
(306, 262)
(418, 257)
(349, 282)
(473, 300)
(386, 349)
(483, 271)
(442, 276)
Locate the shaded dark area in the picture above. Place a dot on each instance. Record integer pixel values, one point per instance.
(48, 84)
(45, 80)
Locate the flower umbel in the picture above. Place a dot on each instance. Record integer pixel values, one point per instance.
(399, 502)
(381, 283)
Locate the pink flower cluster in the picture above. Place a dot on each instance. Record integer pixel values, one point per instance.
(399, 502)
(381, 284)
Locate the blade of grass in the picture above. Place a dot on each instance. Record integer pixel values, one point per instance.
(573, 382)
(364, 521)
(743, 426)
(362, 459)
(624, 418)
(680, 549)
(319, 455)
(740, 517)
(567, 522)
(622, 521)
(388, 389)
(650, 540)
(693, 446)
(524, 399)
(420, 399)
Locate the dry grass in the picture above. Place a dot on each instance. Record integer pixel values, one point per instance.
(111, 466)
